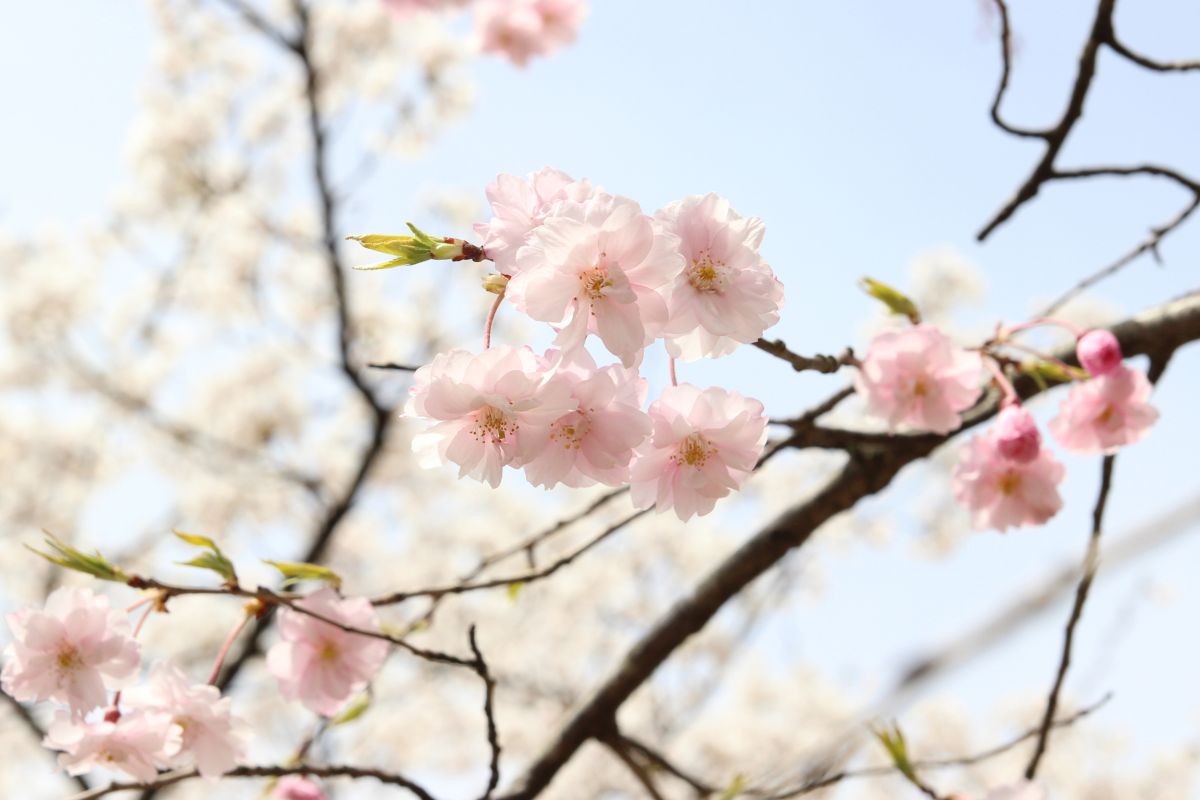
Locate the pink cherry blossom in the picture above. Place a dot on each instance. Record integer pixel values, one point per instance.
(136, 743)
(1099, 352)
(1017, 435)
(296, 787)
(918, 377)
(522, 29)
(519, 205)
(1002, 492)
(594, 443)
(1103, 414)
(726, 294)
(70, 652)
(703, 446)
(320, 664)
(212, 737)
(598, 266)
(489, 409)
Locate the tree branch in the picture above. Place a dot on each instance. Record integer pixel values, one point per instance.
(868, 470)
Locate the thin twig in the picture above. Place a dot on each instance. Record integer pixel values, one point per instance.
(818, 363)
(480, 666)
(1091, 562)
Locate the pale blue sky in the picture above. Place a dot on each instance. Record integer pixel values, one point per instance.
(859, 132)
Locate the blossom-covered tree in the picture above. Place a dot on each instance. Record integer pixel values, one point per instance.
(536, 506)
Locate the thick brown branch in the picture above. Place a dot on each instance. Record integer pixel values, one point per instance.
(869, 469)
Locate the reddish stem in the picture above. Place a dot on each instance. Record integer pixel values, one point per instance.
(491, 318)
(1075, 330)
(671, 368)
(228, 643)
(1010, 394)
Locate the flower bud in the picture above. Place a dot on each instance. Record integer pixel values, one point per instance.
(1099, 352)
(495, 283)
(1016, 434)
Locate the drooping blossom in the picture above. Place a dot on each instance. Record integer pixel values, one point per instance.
(1103, 414)
(918, 377)
(70, 652)
(1017, 435)
(726, 294)
(489, 409)
(595, 442)
(598, 266)
(703, 445)
(297, 787)
(522, 29)
(320, 664)
(136, 743)
(519, 205)
(212, 737)
(1002, 492)
(1099, 352)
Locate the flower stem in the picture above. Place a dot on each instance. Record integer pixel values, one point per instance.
(1010, 394)
(671, 368)
(228, 643)
(1075, 330)
(491, 318)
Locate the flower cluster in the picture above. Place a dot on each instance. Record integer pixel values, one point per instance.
(589, 263)
(76, 649)
(516, 29)
(917, 378)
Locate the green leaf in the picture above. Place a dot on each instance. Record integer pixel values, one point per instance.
(353, 711)
(1048, 372)
(896, 301)
(897, 748)
(72, 558)
(294, 572)
(407, 249)
(513, 590)
(213, 560)
(735, 787)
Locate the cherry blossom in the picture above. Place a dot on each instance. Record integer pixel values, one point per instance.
(70, 652)
(320, 664)
(726, 294)
(1017, 435)
(297, 787)
(136, 743)
(917, 377)
(489, 409)
(522, 29)
(1099, 352)
(598, 266)
(594, 443)
(703, 445)
(211, 735)
(1003, 492)
(1103, 414)
(519, 205)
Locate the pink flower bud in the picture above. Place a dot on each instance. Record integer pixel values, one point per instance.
(1099, 352)
(295, 787)
(1016, 434)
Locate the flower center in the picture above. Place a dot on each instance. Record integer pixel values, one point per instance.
(493, 426)
(920, 388)
(328, 652)
(570, 430)
(693, 451)
(1010, 483)
(68, 659)
(596, 281)
(706, 275)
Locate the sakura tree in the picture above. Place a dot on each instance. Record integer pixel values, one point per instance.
(538, 505)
